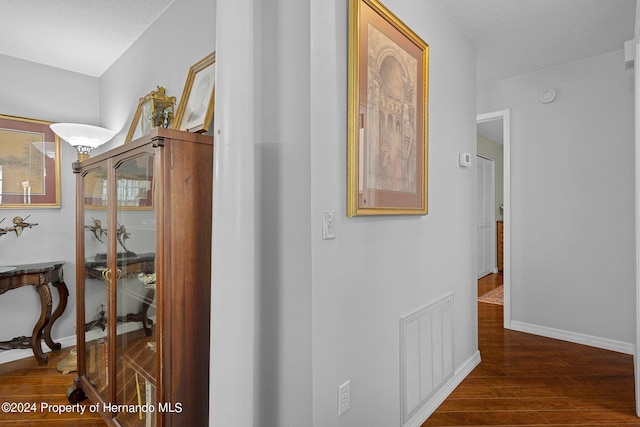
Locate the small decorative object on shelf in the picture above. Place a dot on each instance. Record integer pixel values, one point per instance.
(19, 224)
(149, 280)
(155, 109)
(97, 229)
(122, 235)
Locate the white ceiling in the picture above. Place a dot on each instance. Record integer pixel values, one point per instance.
(516, 37)
(85, 36)
(492, 129)
(512, 36)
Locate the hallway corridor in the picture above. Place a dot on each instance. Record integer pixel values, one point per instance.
(528, 380)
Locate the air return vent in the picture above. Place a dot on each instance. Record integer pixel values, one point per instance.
(426, 354)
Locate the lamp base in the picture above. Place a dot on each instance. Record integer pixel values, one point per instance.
(83, 152)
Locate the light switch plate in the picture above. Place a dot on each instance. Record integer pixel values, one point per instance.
(328, 224)
(344, 398)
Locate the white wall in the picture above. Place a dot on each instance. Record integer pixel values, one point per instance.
(40, 92)
(381, 268)
(572, 197)
(327, 311)
(234, 321)
(180, 37)
(283, 229)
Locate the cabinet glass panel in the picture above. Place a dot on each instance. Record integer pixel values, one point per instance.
(95, 295)
(136, 291)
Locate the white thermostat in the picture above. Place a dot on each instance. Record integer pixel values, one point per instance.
(465, 160)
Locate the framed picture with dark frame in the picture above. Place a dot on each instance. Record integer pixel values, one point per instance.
(387, 114)
(29, 164)
(195, 109)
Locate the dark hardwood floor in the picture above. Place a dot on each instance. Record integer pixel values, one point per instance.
(528, 380)
(523, 380)
(29, 388)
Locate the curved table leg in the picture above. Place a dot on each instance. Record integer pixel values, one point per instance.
(63, 292)
(43, 321)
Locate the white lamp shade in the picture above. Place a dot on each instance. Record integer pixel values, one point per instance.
(78, 134)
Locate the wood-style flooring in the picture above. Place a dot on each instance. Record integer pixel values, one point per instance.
(29, 388)
(528, 380)
(523, 380)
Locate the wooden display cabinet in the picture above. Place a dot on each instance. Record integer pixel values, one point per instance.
(143, 278)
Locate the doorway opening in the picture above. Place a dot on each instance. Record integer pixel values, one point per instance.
(496, 126)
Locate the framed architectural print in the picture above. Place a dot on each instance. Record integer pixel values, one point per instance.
(29, 164)
(196, 105)
(387, 114)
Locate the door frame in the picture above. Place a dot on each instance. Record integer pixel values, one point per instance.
(636, 77)
(505, 115)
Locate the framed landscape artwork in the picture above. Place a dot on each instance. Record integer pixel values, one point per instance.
(387, 114)
(29, 164)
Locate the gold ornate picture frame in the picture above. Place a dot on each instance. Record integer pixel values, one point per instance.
(154, 110)
(29, 164)
(387, 114)
(141, 123)
(195, 109)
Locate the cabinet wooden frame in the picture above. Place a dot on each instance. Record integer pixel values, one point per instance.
(184, 180)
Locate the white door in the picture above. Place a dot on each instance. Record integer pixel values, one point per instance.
(485, 217)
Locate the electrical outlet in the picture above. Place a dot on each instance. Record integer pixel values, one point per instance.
(344, 397)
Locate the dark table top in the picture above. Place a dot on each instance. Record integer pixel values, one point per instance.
(40, 267)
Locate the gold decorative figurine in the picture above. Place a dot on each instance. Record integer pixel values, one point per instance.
(19, 224)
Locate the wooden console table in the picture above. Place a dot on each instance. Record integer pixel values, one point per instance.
(39, 276)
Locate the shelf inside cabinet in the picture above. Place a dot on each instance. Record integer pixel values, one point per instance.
(142, 263)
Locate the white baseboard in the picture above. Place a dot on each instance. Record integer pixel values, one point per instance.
(574, 337)
(13, 355)
(429, 408)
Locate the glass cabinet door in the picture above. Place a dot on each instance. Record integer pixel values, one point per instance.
(96, 301)
(135, 347)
